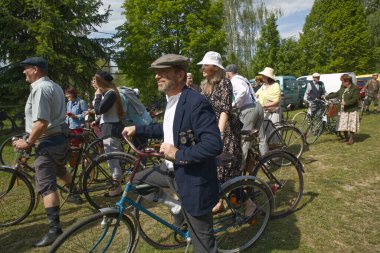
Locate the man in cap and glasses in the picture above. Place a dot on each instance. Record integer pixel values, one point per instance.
(315, 91)
(191, 143)
(45, 112)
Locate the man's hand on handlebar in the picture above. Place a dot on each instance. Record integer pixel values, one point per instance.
(129, 131)
(168, 150)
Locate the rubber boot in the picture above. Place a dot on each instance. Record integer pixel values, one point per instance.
(54, 227)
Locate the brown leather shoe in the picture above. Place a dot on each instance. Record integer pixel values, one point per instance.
(350, 141)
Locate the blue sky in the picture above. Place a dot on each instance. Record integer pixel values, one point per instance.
(290, 24)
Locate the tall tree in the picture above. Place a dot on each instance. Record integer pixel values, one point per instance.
(243, 22)
(55, 29)
(153, 28)
(372, 14)
(335, 38)
(267, 46)
(288, 58)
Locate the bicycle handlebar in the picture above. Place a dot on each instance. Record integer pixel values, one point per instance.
(147, 152)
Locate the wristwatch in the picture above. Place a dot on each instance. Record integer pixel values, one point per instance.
(30, 144)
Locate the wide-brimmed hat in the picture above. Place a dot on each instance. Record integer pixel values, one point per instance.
(316, 75)
(171, 60)
(212, 58)
(268, 72)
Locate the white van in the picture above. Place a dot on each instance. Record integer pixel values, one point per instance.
(332, 82)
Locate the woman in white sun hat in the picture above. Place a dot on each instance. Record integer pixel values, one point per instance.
(218, 90)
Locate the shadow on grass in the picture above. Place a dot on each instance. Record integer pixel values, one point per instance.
(281, 234)
(307, 198)
(361, 137)
(20, 238)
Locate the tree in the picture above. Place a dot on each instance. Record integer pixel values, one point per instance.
(153, 28)
(288, 58)
(267, 46)
(372, 14)
(57, 30)
(335, 38)
(243, 22)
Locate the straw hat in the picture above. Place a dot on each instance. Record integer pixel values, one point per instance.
(212, 58)
(268, 72)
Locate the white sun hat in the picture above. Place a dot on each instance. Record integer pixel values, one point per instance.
(212, 58)
(268, 72)
(316, 75)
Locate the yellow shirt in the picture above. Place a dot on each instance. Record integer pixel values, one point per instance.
(269, 93)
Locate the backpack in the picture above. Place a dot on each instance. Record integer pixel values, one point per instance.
(130, 101)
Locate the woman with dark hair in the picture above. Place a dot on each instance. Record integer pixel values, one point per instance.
(108, 105)
(75, 113)
(349, 116)
(218, 89)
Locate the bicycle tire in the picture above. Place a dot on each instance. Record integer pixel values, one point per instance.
(314, 130)
(234, 231)
(18, 121)
(7, 153)
(300, 120)
(153, 232)
(285, 179)
(289, 138)
(97, 179)
(17, 197)
(91, 232)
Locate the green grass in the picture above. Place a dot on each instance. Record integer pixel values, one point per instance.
(339, 211)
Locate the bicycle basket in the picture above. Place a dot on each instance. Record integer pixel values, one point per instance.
(333, 110)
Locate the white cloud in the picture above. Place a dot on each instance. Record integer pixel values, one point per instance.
(289, 6)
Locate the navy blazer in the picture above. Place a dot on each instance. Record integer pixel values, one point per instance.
(197, 137)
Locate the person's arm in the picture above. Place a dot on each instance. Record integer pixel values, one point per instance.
(39, 127)
(103, 105)
(222, 122)
(307, 92)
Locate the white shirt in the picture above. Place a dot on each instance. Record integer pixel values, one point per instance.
(168, 123)
(242, 91)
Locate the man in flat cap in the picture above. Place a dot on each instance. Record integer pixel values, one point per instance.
(373, 88)
(191, 142)
(315, 90)
(45, 112)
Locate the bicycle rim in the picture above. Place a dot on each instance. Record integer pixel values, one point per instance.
(95, 232)
(288, 138)
(283, 173)
(153, 232)
(97, 180)
(17, 201)
(241, 225)
(300, 120)
(314, 130)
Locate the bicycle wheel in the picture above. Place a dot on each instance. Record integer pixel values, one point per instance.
(7, 153)
(288, 138)
(19, 121)
(94, 149)
(284, 174)
(16, 197)
(241, 225)
(314, 130)
(300, 120)
(152, 231)
(97, 179)
(95, 232)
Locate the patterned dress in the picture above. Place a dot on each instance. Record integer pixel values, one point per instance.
(221, 101)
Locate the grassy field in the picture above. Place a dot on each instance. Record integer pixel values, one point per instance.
(339, 212)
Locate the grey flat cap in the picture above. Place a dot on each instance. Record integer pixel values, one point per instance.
(231, 68)
(35, 61)
(171, 60)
